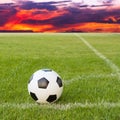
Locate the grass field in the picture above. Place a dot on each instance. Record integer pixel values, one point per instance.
(89, 64)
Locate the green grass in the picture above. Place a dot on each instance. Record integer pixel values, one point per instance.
(87, 78)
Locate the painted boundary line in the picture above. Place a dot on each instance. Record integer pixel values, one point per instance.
(99, 104)
(67, 106)
(114, 67)
(84, 77)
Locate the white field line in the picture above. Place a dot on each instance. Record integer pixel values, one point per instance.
(86, 77)
(101, 104)
(67, 106)
(114, 67)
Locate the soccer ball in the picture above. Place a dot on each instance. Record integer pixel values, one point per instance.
(45, 86)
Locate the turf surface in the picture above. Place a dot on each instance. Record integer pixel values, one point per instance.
(91, 86)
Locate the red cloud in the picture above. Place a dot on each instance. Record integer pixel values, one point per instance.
(47, 17)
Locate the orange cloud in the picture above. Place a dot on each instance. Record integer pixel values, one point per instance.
(47, 17)
(14, 22)
(43, 14)
(95, 27)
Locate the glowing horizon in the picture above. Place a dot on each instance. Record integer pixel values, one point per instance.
(60, 15)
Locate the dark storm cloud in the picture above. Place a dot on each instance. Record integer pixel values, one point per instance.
(76, 16)
(56, 14)
(27, 5)
(6, 12)
(32, 5)
(73, 15)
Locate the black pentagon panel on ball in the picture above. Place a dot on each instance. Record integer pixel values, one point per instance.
(51, 98)
(30, 78)
(33, 96)
(47, 70)
(59, 82)
(43, 83)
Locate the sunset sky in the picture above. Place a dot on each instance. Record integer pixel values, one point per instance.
(60, 15)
